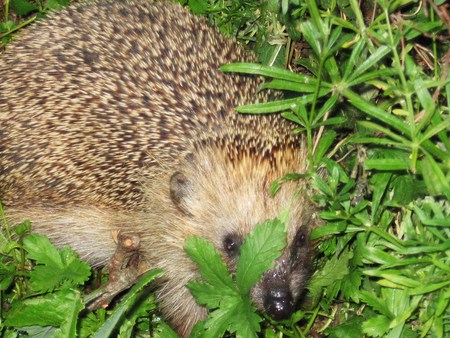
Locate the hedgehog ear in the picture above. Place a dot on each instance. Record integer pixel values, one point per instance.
(181, 188)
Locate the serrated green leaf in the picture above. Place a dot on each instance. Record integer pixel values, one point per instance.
(259, 252)
(48, 310)
(54, 267)
(209, 295)
(73, 306)
(377, 326)
(332, 272)
(245, 321)
(212, 268)
(218, 321)
(350, 285)
(371, 299)
(42, 251)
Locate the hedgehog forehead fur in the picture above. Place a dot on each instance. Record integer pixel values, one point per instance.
(115, 116)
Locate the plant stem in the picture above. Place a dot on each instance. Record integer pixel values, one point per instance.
(360, 23)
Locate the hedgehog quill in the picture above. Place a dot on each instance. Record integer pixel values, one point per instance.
(115, 118)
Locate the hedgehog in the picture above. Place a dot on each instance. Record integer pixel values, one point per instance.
(116, 119)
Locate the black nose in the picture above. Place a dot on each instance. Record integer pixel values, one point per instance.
(279, 303)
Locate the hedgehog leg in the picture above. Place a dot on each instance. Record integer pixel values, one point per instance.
(124, 270)
(97, 235)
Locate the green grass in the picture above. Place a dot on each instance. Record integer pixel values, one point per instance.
(371, 97)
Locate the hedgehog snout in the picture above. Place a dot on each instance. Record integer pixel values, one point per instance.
(279, 303)
(278, 300)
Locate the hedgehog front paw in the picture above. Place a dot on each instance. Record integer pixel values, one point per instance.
(124, 270)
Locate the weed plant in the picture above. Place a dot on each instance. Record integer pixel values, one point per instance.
(370, 94)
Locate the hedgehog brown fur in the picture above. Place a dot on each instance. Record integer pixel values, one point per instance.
(115, 116)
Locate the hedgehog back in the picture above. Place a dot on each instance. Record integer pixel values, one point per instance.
(94, 96)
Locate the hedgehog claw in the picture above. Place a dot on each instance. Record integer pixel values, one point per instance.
(124, 270)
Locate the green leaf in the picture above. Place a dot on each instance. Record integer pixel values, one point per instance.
(126, 303)
(387, 131)
(356, 53)
(329, 229)
(371, 299)
(22, 228)
(434, 178)
(23, 7)
(54, 267)
(218, 321)
(56, 4)
(332, 272)
(210, 295)
(426, 102)
(7, 273)
(245, 321)
(259, 252)
(42, 250)
(380, 53)
(374, 111)
(198, 6)
(387, 164)
(268, 71)
(268, 107)
(423, 289)
(351, 328)
(351, 284)
(231, 305)
(291, 86)
(376, 326)
(312, 36)
(327, 107)
(325, 143)
(380, 183)
(56, 309)
(276, 185)
(212, 268)
(378, 74)
(433, 130)
(332, 121)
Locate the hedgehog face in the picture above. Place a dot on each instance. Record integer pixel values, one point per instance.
(223, 200)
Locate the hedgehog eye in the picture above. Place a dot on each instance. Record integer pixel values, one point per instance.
(232, 244)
